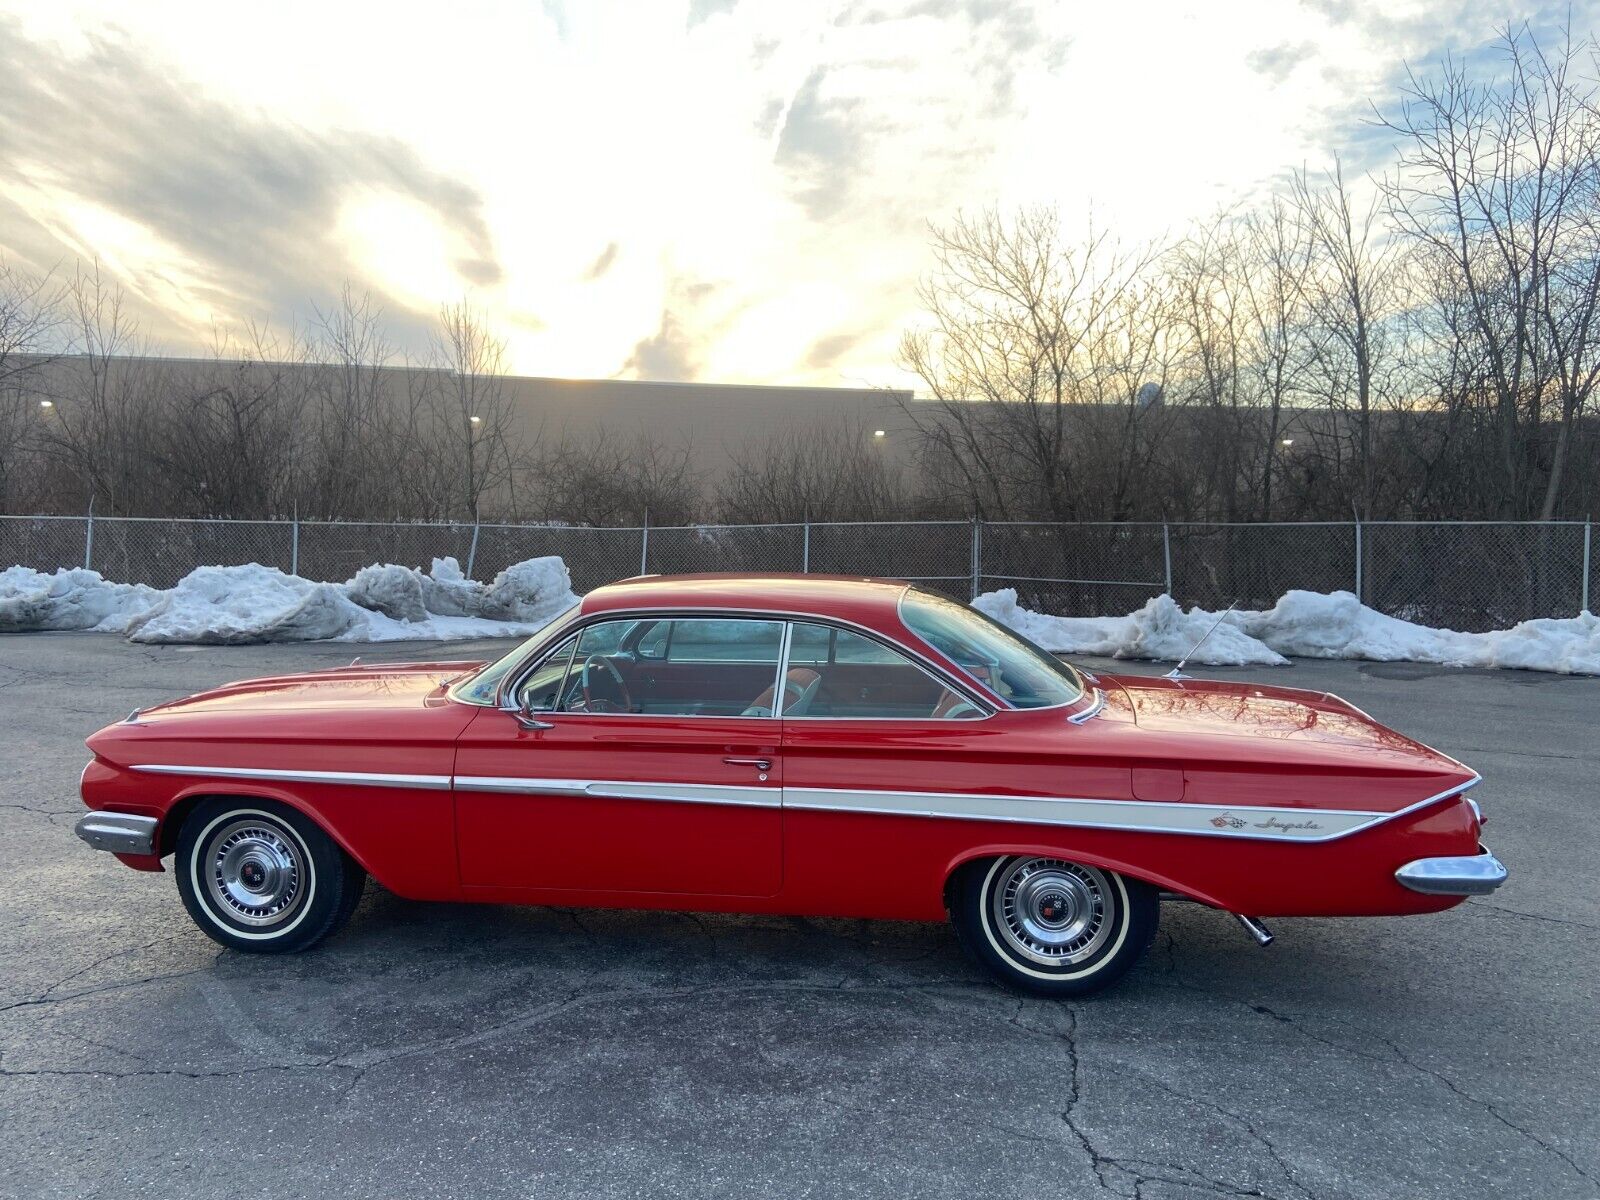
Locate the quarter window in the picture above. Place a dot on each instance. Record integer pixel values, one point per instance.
(837, 673)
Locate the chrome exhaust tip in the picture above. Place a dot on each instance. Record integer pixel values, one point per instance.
(1254, 927)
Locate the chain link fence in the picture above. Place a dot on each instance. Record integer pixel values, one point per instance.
(1467, 575)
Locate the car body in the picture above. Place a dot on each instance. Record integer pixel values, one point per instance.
(801, 745)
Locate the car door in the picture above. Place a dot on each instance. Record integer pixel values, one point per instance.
(881, 745)
(653, 766)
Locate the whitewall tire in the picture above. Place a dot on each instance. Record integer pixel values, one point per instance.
(258, 876)
(1050, 926)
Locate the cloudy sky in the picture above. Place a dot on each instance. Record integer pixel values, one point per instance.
(715, 190)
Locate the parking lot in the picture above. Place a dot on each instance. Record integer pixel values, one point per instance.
(435, 1050)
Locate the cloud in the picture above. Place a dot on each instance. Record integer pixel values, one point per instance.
(109, 147)
(601, 265)
(823, 142)
(1278, 62)
(907, 101)
(676, 351)
(701, 11)
(827, 350)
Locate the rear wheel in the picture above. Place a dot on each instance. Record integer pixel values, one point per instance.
(1053, 927)
(258, 876)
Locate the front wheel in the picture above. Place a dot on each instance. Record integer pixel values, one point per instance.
(258, 876)
(1052, 927)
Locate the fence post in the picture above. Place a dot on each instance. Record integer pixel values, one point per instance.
(294, 541)
(1166, 552)
(1359, 595)
(644, 545)
(805, 547)
(88, 534)
(1588, 529)
(472, 547)
(977, 554)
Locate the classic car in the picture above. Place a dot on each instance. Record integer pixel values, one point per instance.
(786, 744)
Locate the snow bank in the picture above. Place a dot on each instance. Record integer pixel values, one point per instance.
(1159, 630)
(252, 603)
(72, 598)
(1305, 625)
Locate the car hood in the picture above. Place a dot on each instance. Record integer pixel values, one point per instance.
(380, 686)
(1295, 719)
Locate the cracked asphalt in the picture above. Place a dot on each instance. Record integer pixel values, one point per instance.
(436, 1050)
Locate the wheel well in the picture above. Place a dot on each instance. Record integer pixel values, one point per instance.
(172, 823)
(980, 861)
(953, 880)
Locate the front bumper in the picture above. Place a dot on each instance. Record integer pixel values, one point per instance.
(1468, 875)
(118, 833)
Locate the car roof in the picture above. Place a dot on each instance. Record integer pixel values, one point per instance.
(870, 602)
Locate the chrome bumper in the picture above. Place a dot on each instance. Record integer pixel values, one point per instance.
(1468, 875)
(118, 833)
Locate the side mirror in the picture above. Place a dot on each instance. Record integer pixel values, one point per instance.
(525, 718)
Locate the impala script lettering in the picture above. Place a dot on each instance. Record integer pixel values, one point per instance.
(1227, 820)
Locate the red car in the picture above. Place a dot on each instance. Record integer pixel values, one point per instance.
(786, 744)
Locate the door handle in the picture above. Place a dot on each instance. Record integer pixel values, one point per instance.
(760, 764)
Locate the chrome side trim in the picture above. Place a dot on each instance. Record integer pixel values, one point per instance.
(1259, 822)
(1466, 875)
(679, 793)
(117, 833)
(1134, 816)
(354, 778)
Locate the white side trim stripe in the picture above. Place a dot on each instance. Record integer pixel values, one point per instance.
(1139, 816)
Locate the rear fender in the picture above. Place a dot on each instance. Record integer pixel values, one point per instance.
(1088, 858)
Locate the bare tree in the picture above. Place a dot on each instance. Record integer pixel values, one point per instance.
(1028, 334)
(228, 442)
(1350, 292)
(467, 422)
(355, 437)
(824, 470)
(1497, 185)
(30, 319)
(606, 477)
(103, 420)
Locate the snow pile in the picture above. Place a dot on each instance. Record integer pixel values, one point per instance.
(252, 603)
(72, 598)
(1304, 625)
(1158, 630)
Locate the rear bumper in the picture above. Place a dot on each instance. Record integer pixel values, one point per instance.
(117, 833)
(1467, 875)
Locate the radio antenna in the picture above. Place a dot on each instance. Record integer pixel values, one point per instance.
(1177, 671)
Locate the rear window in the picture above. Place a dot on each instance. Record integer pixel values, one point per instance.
(1009, 665)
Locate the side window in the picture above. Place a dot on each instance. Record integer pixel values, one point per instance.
(837, 673)
(718, 640)
(703, 667)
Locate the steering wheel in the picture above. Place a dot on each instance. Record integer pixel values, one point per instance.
(590, 703)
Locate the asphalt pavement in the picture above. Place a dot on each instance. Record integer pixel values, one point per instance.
(440, 1050)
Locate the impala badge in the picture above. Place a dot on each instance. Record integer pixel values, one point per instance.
(1227, 821)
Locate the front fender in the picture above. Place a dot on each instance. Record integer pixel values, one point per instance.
(403, 838)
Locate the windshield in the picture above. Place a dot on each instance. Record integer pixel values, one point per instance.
(481, 687)
(1009, 665)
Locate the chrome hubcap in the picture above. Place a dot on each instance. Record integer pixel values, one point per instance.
(1051, 911)
(254, 871)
